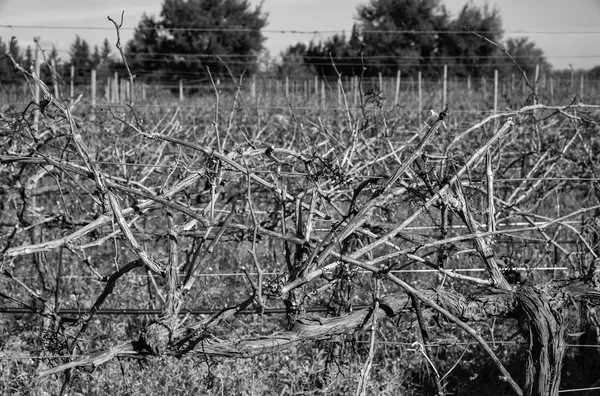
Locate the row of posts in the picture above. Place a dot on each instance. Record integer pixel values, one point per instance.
(119, 89)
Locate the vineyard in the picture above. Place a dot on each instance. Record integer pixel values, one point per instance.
(256, 236)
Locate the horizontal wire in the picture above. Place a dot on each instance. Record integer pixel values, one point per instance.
(390, 343)
(302, 174)
(578, 390)
(286, 108)
(304, 56)
(293, 31)
(148, 311)
(362, 272)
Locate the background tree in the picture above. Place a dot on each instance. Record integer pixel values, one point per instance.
(192, 35)
(81, 59)
(527, 55)
(28, 56)
(7, 76)
(466, 53)
(391, 31)
(418, 35)
(293, 62)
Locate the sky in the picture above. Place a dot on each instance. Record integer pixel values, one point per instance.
(567, 30)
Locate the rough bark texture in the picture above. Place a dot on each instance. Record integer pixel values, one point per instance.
(542, 322)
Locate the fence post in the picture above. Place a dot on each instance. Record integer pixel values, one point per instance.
(397, 95)
(323, 94)
(445, 89)
(37, 87)
(72, 83)
(287, 87)
(116, 91)
(581, 87)
(355, 91)
(469, 85)
(535, 83)
(420, 82)
(54, 78)
(495, 91)
(484, 87)
(339, 90)
(93, 88)
(181, 97)
(253, 87)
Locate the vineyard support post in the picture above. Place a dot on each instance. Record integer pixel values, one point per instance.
(72, 92)
(397, 96)
(495, 91)
(420, 85)
(36, 116)
(93, 93)
(445, 88)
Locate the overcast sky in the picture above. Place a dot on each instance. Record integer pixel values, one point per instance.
(567, 30)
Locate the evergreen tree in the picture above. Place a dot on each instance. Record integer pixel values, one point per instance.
(191, 35)
(80, 58)
(527, 55)
(465, 53)
(28, 57)
(400, 34)
(96, 58)
(105, 52)
(7, 75)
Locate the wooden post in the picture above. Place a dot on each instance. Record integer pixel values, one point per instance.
(355, 91)
(277, 88)
(253, 87)
(397, 95)
(316, 85)
(305, 96)
(339, 90)
(572, 78)
(581, 85)
(72, 83)
(93, 87)
(512, 82)
(116, 91)
(144, 91)
(107, 91)
(495, 91)
(36, 116)
(544, 80)
(323, 94)
(420, 96)
(484, 87)
(445, 89)
(469, 85)
(54, 79)
(535, 82)
(287, 87)
(551, 89)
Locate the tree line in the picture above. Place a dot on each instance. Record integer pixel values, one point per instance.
(190, 39)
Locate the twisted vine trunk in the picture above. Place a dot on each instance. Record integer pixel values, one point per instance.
(541, 317)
